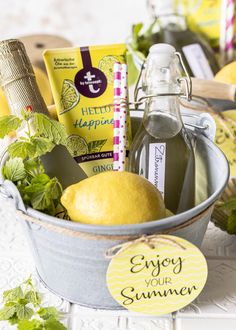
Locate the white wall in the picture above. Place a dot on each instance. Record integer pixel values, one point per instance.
(83, 22)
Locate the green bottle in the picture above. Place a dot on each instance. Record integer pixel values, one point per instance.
(197, 55)
(170, 26)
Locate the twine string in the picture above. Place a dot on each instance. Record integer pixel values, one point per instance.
(93, 236)
(150, 240)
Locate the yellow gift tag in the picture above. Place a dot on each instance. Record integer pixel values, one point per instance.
(226, 137)
(156, 276)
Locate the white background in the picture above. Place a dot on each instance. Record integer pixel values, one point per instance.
(83, 22)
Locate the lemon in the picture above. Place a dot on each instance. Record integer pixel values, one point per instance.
(113, 198)
(44, 88)
(69, 96)
(106, 65)
(227, 74)
(76, 145)
(169, 213)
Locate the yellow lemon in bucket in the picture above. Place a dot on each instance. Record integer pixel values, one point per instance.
(113, 198)
(227, 74)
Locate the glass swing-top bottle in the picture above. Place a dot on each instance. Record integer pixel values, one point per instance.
(162, 151)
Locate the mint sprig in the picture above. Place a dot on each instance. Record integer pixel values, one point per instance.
(23, 307)
(24, 167)
(51, 130)
(43, 192)
(142, 40)
(9, 124)
(14, 169)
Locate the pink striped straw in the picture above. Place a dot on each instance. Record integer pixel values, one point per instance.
(116, 125)
(123, 118)
(227, 31)
(229, 46)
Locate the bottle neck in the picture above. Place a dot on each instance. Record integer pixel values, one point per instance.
(162, 107)
(172, 22)
(161, 75)
(171, 16)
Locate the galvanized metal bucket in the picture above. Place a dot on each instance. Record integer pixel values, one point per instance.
(70, 257)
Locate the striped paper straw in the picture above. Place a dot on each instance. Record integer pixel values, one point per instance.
(223, 32)
(116, 115)
(229, 47)
(227, 31)
(123, 118)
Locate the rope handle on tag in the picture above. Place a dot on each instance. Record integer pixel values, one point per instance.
(150, 240)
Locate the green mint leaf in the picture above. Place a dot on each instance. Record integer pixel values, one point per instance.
(56, 189)
(29, 282)
(53, 324)
(135, 34)
(14, 169)
(149, 30)
(21, 149)
(13, 319)
(30, 325)
(21, 185)
(41, 200)
(23, 312)
(96, 146)
(50, 129)
(231, 224)
(33, 297)
(33, 167)
(229, 205)
(7, 312)
(48, 312)
(41, 179)
(41, 146)
(13, 294)
(17, 312)
(26, 115)
(9, 124)
(34, 148)
(43, 191)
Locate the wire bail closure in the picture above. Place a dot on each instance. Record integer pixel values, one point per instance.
(186, 80)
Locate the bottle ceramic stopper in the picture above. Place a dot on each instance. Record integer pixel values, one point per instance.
(161, 69)
(163, 53)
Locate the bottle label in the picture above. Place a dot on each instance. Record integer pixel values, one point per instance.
(156, 170)
(197, 61)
